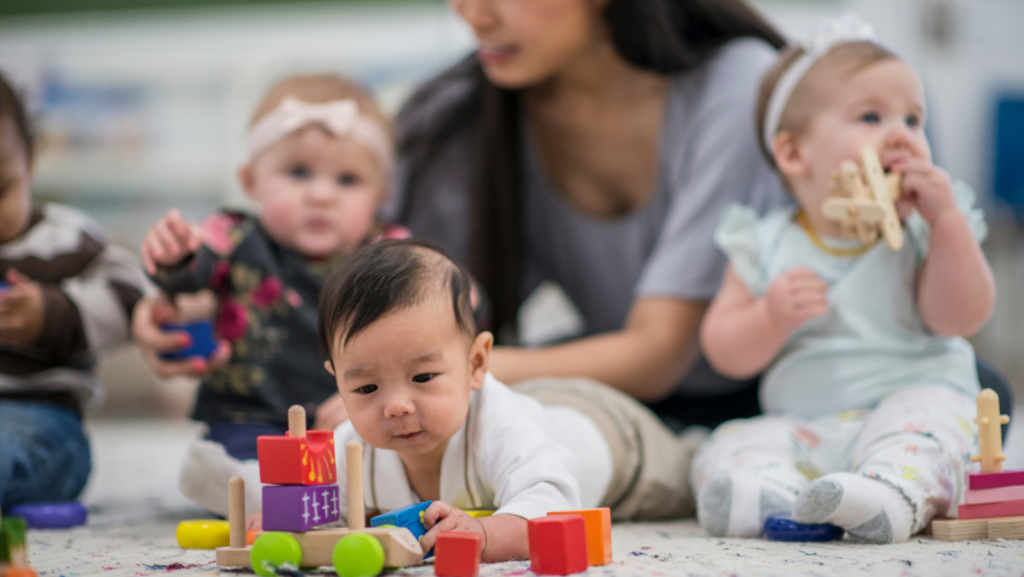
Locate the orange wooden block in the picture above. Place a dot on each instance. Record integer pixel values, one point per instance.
(598, 523)
(251, 536)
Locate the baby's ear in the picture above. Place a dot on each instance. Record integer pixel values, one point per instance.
(329, 365)
(245, 178)
(790, 156)
(480, 359)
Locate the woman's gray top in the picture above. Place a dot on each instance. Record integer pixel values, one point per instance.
(709, 158)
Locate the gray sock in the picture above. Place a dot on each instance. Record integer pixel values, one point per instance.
(869, 509)
(736, 506)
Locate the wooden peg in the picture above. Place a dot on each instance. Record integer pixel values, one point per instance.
(990, 440)
(236, 512)
(354, 475)
(296, 421)
(236, 554)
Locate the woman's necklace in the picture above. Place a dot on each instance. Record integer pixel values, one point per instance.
(801, 218)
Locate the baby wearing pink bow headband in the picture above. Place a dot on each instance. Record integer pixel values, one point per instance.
(339, 117)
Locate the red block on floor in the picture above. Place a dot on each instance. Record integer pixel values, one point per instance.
(308, 460)
(558, 545)
(598, 523)
(457, 554)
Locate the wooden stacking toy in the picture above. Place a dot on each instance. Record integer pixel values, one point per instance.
(863, 200)
(311, 501)
(994, 503)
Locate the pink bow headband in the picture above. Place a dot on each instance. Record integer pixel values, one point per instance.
(339, 117)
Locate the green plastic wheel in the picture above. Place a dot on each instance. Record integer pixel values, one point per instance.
(272, 550)
(358, 555)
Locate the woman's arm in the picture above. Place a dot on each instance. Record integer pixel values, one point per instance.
(741, 335)
(646, 359)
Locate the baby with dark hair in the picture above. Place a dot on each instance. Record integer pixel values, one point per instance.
(396, 326)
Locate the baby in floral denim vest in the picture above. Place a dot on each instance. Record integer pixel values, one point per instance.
(318, 168)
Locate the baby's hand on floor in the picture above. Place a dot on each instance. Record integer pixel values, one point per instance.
(795, 297)
(441, 516)
(170, 241)
(254, 522)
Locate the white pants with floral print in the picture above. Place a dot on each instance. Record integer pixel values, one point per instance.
(919, 440)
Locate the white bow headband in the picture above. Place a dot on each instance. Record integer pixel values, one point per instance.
(828, 34)
(339, 117)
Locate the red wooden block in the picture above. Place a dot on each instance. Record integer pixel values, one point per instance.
(558, 545)
(598, 524)
(457, 554)
(985, 510)
(286, 460)
(993, 480)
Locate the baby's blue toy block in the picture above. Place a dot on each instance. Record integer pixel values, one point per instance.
(203, 343)
(410, 517)
(782, 527)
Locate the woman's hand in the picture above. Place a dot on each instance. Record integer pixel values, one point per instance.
(170, 241)
(330, 413)
(21, 310)
(794, 298)
(150, 313)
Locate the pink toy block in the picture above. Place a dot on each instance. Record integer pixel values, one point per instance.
(304, 460)
(558, 544)
(457, 554)
(993, 480)
(997, 495)
(986, 510)
(299, 508)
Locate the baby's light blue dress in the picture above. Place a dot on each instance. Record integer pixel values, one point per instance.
(873, 341)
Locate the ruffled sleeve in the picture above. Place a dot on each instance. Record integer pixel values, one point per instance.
(737, 237)
(965, 196)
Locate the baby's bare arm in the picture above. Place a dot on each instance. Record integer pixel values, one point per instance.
(956, 291)
(504, 536)
(741, 336)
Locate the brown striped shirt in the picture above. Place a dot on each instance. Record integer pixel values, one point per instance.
(89, 288)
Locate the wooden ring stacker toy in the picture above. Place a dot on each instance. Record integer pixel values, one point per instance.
(863, 201)
(320, 547)
(993, 505)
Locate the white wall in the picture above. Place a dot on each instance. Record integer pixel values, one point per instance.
(195, 76)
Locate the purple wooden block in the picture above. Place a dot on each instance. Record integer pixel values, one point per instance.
(299, 508)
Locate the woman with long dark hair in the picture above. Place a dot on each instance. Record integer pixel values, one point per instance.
(593, 143)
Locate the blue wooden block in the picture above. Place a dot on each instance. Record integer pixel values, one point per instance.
(410, 517)
(203, 342)
(299, 508)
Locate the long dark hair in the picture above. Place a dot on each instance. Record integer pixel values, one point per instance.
(664, 36)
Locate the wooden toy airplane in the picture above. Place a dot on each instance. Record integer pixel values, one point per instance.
(863, 201)
(318, 545)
